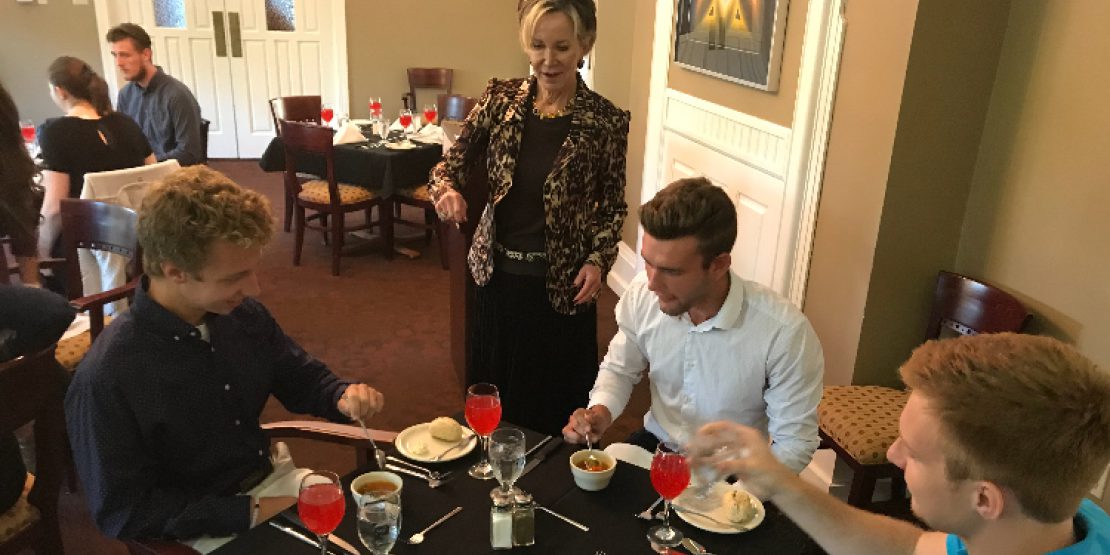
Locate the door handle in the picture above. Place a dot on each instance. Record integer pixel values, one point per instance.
(220, 36)
(236, 37)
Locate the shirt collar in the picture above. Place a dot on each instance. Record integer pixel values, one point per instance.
(728, 317)
(157, 318)
(159, 76)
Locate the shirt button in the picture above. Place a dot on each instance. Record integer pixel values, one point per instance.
(213, 349)
(237, 422)
(227, 387)
(261, 453)
(176, 338)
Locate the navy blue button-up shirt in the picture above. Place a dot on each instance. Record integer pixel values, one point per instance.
(164, 426)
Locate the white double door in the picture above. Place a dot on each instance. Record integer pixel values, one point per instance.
(224, 51)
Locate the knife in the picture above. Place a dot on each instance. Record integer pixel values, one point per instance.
(537, 446)
(298, 535)
(540, 456)
(332, 538)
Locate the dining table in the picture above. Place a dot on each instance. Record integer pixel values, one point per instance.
(381, 166)
(610, 515)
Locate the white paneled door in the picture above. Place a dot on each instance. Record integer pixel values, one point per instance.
(237, 54)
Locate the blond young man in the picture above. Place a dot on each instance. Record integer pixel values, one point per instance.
(1001, 438)
(163, 413)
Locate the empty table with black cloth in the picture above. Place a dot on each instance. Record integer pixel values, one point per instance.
(610, 515)
(380, 169)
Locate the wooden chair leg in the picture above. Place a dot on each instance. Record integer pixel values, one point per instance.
(441, 240)
(324, 225)
(862, 489)
(336, 241)
(289, 202)
(430, 222)
(385, 217)
(298, 240)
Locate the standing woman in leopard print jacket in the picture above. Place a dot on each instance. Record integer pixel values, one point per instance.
(554, 153)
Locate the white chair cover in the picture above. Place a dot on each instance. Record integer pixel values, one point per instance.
(101, 271)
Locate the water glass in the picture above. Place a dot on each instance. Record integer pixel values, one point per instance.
(506, 454)
(379, 520)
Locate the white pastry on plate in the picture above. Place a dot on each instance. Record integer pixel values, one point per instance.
(445, 429)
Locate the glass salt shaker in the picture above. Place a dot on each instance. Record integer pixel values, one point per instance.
(501, 521)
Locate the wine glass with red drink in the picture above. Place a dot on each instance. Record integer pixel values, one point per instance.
(326, 113)
(375, 106)
(320, 505)
(483, 413)
(430, 113)
(670, 474)
(406, 121)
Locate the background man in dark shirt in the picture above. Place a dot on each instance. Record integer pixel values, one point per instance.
(164, 107)
(163, 413)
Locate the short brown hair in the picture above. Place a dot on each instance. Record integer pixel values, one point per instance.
(692, 207)
(1013, 406)
(190, 209)
(582, 14)
(138, 35)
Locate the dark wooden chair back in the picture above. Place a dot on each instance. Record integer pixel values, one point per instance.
(428, 78)
(454, 106)
(968, 306)
(300, 138)
(95, 225)
(299, 108)
(204, 126)
(32, 389)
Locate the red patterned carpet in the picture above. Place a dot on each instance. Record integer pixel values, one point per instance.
(381, 322)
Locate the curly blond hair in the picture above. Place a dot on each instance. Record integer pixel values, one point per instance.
(193, 207)
(1029, 413)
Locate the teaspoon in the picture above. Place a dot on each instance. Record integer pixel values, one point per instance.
(418, 537)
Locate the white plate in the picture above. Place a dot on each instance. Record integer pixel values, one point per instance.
(720, 512)
(400, 146)
(419, 433)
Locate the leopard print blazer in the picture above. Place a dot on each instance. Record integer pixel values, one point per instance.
(583, 195)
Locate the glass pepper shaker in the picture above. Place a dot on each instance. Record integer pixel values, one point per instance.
(524, 520)
(501, 521)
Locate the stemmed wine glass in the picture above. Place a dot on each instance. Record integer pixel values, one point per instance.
(320, 505)
(670, 474)
(326, 113)
(27, 129)
(483, 413)
(379, 520)
(506, 453)
(430, 113)
(406, 121)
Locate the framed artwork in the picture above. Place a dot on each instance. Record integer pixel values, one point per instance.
(736, 40)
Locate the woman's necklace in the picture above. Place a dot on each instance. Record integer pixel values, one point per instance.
(557, 113)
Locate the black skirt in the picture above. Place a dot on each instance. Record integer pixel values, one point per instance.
(542, 362)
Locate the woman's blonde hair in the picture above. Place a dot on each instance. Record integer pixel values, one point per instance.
(183, 215)
(1028, 413)
(582, 14)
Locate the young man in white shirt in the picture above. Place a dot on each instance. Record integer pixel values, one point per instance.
(1001, 438)
(717, 347)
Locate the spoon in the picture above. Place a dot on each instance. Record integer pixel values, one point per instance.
(591, 461)
(647, 514)
(418, 537)
(462, 442)
(379, 455)
(710, 518)
(695, 547)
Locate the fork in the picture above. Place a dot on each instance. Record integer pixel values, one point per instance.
(646, 514)
(432, 482)
(431, 473)
(462, 443)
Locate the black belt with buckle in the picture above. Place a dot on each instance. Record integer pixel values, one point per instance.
(254, 478)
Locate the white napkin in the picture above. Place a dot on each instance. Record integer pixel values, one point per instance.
(431, 133)
(349, 133)
(396, 125)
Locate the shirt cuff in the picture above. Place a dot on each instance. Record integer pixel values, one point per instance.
(611, 402)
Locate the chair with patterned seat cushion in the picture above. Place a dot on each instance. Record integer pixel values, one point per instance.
(32, 389)
(329, 199)
(860, 422)
(421, 197)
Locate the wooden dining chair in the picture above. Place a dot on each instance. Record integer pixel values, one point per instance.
(860, 422)
(32, 389)
(428, 78)
(420, 197)
(294, 108)
(329, 199)
(454, 106)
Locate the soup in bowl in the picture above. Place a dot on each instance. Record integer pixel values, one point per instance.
(592, 474)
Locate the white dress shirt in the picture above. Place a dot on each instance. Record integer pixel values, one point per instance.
(756, 362)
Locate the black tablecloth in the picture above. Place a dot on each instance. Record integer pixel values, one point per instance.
(609, 513)
(374, 167)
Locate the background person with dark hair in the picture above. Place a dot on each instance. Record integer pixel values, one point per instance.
(164, 107)
(18, 213)
(718, 347)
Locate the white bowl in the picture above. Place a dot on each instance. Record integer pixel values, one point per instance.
(592, 480)
(376, 476)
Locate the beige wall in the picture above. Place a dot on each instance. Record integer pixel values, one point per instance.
(33, 35)
(622, 74)
(476, 39)
(1037, 220)
(776, 107)
(865, 117)
(940, 123)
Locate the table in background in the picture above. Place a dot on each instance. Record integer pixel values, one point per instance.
(377, 168)
(609, 513)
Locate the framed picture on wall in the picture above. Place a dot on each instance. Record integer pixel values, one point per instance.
(736, 40)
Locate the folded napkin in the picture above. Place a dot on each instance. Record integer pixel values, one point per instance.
(431, 133)
(349, 133)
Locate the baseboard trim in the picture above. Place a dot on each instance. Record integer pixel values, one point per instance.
(624, 269)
